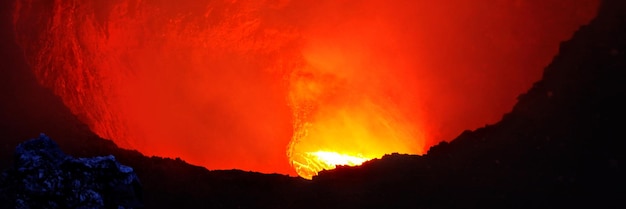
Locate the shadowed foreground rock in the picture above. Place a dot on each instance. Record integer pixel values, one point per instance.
(44, 177)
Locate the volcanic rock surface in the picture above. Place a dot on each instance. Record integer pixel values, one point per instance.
(560, 147)
(44, 177)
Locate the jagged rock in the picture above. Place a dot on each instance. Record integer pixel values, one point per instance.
(44, 177)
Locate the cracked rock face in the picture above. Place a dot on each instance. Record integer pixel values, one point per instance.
(44, 177)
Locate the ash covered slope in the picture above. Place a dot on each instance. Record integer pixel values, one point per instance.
(561, 146)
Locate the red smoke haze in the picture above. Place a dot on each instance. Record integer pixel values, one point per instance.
(223, 83)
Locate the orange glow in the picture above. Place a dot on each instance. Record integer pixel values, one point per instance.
(309, 164)
(231, 84)
(333, 159)
(338, 108)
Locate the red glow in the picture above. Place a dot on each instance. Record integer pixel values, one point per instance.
(222, 84)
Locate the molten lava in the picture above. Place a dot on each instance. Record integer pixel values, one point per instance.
(341, 111)
(310, 163)
(229, 84)
(332, 159)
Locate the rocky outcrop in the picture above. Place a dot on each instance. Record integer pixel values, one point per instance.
(44, 177)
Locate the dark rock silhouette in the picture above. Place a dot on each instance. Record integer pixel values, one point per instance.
(44, 177)
(560, 147)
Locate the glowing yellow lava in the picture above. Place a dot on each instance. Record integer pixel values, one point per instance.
(342, 115)
(313, 162)
(333, 159)
(310, 163)
(347, 136)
